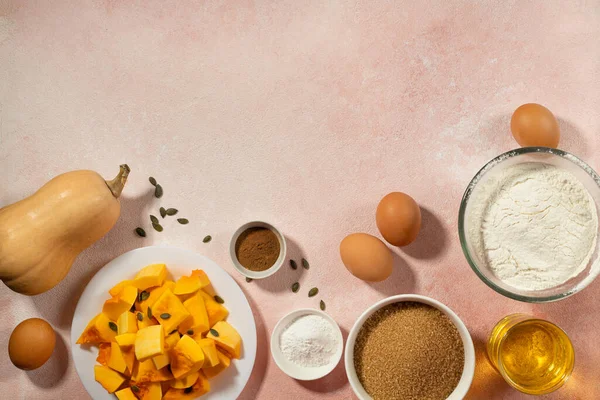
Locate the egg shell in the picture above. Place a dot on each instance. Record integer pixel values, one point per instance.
(366, 257)
(398, 218)
(534, 125)
(31, 344)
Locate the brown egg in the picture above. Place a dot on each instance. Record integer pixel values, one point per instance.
(534, 125)
(366, 257)
(31, 344)
(398, 218)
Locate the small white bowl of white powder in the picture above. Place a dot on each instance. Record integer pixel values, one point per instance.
(307, 344)
(528, 224)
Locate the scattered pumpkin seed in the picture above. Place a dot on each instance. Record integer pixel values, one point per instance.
(188, 390)
(219, 299)
(322, 305)
(190, 332)
(140, 316)
(140, 232)
(112, 326)
(158, 191)
(152, 181)
(135, 389)
(207, 239)
(293, 264)
(214, 332)
(153, 219)
(165, 315)
(172, 211)
(183, 221)
(248, 280)
(313, 292)
(144, 295)
(157, 227)
(149, 313)
(305, 264)
(295, 287)
(163, 212)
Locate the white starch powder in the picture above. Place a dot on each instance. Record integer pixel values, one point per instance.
(309, 341)
(535, 225)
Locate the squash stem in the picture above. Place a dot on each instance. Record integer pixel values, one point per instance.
(116, 185)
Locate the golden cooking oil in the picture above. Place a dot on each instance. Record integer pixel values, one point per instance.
(532, 355)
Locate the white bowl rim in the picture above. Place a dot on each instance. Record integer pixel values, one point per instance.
(468, 370)
(257, 274)
(305, 374)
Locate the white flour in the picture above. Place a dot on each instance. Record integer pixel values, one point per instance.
(536, 226)
(309, 341)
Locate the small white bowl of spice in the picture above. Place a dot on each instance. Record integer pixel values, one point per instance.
(257, 249)
(307, 344)
(408, 345)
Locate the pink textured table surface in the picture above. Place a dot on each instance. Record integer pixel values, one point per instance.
(302, 113)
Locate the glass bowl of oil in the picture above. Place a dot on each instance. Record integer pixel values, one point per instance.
(533, 355)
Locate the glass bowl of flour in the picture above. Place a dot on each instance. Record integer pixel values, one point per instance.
(528, 224)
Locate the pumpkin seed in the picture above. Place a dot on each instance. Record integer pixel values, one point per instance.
(305, 264)
(135, 389)
(157, 227)
(190, 332)
(153, 219)
(165, 315)
(214, 332)
(112, 326)
(140, 316)
(183, 221)
(219, 299)
(207, 239)
(152, 181)
(293, 264)
(144, 295)
(140, 232)
(163, 212)
(295, 287)
(313, 292)
(322, 305)
(158, 191)
(248, 280)
(188, 390)
(172, 211)
(149, 313)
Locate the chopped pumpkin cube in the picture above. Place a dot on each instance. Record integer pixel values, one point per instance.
(125, 394)
(204, 281)
(103, 353)
(209, 348)
(187, 285)
(224, 362)
(129, 356)
(186, 357)
(149, 342)
(164, 359)
(228, 338)
(150, 276)
(115, 290)
(169, 311)
(97, 331)
(126, 339)
(186, 381)
(116, 360)
(198, 319)
(127, 323)
(109, 379)
(145, 371)
(153, 295)
(150, 391)
(143, 321)
(201, 387)
(216, 312)
(115, 306)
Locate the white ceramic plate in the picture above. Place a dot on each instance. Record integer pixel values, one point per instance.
(227, 385)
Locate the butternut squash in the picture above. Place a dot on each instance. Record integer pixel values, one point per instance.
(41, 235)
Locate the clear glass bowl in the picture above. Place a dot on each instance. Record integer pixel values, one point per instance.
(588, 177)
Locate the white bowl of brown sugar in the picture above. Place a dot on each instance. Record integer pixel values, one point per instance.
(257, 249)
(409, 347)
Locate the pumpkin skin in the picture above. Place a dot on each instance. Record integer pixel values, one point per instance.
(41, 235)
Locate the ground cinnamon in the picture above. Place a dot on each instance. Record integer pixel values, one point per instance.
(257, 249)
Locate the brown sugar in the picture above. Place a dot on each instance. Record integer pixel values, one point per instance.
(409, 351)
(257, 249)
